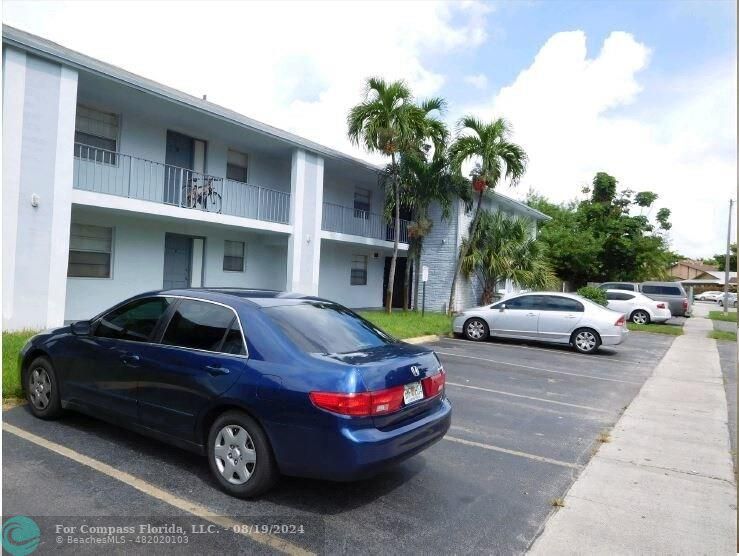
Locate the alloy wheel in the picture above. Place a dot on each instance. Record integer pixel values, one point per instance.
(639, 317)
(39, 388)
(586, 341)
(475, 330)
(235, 455)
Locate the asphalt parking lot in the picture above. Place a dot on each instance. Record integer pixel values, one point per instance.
(526, 419)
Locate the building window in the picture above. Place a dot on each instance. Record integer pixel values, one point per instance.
(236, 166)
(361, 203)
(95, 135)
(359, 270)
(233, 256)
(90, 251)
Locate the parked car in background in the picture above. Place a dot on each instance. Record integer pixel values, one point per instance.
(561, 318)
(637, 307)
(671, 292)
(709, 296)
(260, 382)
(627, 286)
(731, 300)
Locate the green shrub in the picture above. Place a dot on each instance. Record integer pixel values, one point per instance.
(593, 294)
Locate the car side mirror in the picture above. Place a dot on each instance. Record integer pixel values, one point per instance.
(501, 307)
(81, 328)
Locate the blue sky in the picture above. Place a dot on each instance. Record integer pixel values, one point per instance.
(645, 90)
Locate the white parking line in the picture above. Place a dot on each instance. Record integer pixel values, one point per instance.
(513, 452)
(542, 369)
(193, 508)
(605, 359)
(589, 408)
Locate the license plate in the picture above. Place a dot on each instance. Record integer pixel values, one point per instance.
(412, 392)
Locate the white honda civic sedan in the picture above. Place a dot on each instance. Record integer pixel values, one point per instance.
(637, 307)
(561, 318)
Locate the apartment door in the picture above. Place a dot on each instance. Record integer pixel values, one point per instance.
(179, 159)
(177, 261)
(397, 283)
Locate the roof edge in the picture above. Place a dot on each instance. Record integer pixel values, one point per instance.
(50, 50)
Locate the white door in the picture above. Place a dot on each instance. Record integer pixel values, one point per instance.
(559, 317)
(515, 318)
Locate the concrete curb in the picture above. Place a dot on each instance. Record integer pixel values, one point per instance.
(424, 339)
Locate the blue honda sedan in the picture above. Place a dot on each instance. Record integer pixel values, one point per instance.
(261, 382)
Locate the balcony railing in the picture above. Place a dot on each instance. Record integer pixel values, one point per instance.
(115, 173)
(346, 220)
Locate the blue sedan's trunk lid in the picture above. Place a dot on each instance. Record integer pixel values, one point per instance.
(394, 365)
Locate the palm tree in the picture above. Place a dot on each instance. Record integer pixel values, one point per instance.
(497, 157)
(390, 122)
(503, 248)
(422, 183)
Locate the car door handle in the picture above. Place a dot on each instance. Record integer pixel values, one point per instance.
(530, 314)
(570, 316)
(215, 370)
(130, 359)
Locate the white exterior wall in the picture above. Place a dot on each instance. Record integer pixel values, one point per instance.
(38, 106)
(336, 263)
(138, 260)
(340, 191)
(304, 245)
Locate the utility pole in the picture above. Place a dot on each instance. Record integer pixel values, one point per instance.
(727, 261)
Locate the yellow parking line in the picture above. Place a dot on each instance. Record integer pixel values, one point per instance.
(589, 408)
(530, 367)
(513, 452)
(193, 508)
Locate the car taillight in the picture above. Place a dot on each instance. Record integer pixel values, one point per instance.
(434, 385)
(685, 303)
(621, 320)
(660, 305)
(360, 404)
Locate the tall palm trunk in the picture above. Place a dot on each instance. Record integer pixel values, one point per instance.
(463, 252)
(417, 275)
(407, 279)
(391, 275)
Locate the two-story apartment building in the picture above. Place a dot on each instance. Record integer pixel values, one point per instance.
(114, 184)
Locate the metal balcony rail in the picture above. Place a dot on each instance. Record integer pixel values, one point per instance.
(346, 220)
(114, 173)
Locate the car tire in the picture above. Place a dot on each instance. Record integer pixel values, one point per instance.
(640, 317)
(240, 456)
(476, 329)
(42, 389)
(585, 340)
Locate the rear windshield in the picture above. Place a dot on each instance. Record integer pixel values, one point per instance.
(321, 327)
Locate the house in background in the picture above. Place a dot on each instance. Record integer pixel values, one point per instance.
(689, 270)
(114, 184)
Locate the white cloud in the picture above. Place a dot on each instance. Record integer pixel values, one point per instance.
(478, 80)
(297, 65)
(573, 116)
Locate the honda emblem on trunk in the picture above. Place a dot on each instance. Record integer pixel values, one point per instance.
(415, 370)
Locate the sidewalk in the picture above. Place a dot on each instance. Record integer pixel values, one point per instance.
(665, 483)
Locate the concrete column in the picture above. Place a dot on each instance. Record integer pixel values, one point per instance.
(306, 208)
(39, 108)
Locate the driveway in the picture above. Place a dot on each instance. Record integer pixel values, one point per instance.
(526, 420)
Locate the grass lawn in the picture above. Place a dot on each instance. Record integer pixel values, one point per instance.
(407, 324)
(719, 315)
(669, 329)
(12, 344)
(722, 335)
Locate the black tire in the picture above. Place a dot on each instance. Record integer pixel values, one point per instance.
(581, 345)
(476, 329)
(263, 473)
(42, 389)
(640, 317)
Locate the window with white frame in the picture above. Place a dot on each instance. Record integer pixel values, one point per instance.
(359, 270)
(233, 256)
(361, 203)
(237, 165)
(95, 135)
(90, 251)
